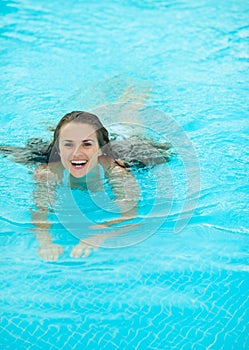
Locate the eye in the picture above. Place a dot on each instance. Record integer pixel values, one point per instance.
(87, 144)
(68, 144)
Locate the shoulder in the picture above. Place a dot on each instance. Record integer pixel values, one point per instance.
(110, 165)
(51, 172)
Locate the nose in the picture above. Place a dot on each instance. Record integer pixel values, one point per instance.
(79, 150)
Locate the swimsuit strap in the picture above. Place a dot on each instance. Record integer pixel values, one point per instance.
(66, 176)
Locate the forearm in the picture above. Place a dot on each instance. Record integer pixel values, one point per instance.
(43, 195)
(47, 249)
(126, 191)
(41, 225)
(43, 190)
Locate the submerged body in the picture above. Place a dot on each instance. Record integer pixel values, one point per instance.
(79, 148)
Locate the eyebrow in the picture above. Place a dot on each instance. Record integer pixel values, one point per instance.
(87, 140)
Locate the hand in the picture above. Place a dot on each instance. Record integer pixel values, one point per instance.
(49, 251)
(87, 245)
(96, 241)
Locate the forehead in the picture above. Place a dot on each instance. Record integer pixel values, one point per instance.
(77, 131)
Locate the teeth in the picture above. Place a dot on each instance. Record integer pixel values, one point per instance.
(78, 162)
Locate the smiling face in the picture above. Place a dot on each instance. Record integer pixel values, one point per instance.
(78, 147)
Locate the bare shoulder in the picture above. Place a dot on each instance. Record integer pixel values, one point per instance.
(49, 172)
(110, 165)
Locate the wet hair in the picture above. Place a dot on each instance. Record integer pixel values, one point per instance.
(134, 151)
(35, 152)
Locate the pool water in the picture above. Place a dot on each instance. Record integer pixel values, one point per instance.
(183, 283)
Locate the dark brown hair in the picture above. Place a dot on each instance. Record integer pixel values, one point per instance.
(133, 151)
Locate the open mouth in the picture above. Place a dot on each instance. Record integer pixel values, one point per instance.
(78, 164)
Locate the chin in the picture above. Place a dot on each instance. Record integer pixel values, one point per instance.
(78, 175)
(81, 173)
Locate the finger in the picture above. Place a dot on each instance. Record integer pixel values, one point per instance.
(77, 251)
(52, 255)
(55, 253)
(87, 252)
(45, 255)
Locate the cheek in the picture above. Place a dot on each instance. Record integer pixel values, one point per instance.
(97, 153)
(64, 153)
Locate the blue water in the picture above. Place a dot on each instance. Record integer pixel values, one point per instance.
(175, 289)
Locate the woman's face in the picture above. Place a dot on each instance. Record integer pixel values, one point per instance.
(79, 148)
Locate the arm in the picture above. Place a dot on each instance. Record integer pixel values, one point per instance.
(125, 189)
(126, 192)
(44, 191)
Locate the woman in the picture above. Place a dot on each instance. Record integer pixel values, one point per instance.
(82, 157)
(80, 151)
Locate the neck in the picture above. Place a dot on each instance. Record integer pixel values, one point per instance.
(90, 178)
